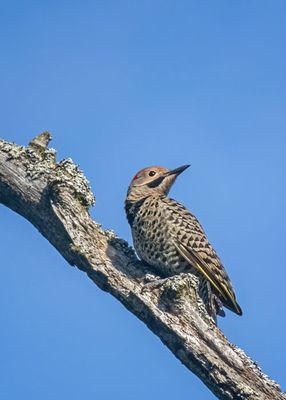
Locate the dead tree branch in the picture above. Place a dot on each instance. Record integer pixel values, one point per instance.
(55, 198)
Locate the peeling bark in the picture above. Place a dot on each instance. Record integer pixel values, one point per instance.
(55, 198)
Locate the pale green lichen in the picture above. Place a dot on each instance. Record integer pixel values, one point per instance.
(36, 163)
(41, 163)
(69, 175)
(13, 150)
(120, 244)
(179, 291)
(252, 364)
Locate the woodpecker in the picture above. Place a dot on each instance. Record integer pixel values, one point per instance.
(170, 238)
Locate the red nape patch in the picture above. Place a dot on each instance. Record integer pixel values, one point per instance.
(134, 178)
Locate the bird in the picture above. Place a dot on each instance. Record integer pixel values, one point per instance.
(168, 237)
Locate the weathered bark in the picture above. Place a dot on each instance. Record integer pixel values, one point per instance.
(55, 198)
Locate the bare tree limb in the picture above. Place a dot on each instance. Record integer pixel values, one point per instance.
(55, 198)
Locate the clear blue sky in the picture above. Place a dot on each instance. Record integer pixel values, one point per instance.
(123, 85)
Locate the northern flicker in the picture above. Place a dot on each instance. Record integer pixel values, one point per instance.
(170, 239)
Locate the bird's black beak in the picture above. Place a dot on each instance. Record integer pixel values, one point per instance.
(177, 171)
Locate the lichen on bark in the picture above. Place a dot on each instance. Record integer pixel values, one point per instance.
(55, 198)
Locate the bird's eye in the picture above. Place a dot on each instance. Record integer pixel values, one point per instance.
(152, 173)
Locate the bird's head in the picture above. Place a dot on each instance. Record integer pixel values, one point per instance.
(152, 181)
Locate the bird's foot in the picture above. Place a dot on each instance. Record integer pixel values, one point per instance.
(178, 294)
(152, 282)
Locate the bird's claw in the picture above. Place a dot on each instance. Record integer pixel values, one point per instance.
(152, 282)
